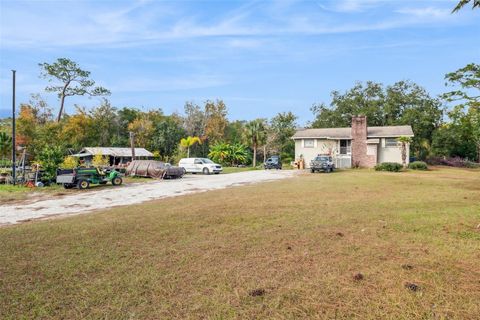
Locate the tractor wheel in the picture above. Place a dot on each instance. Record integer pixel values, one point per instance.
(83, 184)
(206, 171)
(117, 181)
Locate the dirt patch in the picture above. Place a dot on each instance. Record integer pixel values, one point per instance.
(257, 292)
(412, 286)
(358, 277)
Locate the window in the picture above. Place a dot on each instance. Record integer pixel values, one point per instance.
(391, 142)
(308, 143)
(345, 146)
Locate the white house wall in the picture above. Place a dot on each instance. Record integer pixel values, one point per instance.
(321, 146)
(391, 154)
(324, 146)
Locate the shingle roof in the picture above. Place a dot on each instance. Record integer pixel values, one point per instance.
(328, 133)
(390, 131)
(345, 133)
(117, 152)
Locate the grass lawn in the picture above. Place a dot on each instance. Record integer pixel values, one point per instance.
(11, 193)
(292, 249)
(239, 169)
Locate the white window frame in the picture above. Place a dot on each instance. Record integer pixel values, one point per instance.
(348, 147)
(309, 140)
(391, 146)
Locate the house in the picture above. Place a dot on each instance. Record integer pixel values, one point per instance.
(117, 156)
(358, 145)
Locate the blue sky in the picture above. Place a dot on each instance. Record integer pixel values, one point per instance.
(260, 57)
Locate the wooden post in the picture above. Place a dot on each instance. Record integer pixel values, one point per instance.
(132, 144)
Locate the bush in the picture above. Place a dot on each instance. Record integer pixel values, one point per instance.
(100, 161)
(418, 165)
(452, 162)
(50, 158)
(5, 163)
(69, 162)
(388, 166)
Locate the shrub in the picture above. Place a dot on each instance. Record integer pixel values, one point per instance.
(69, 162)
(100, 161)
(418, 165)
(452, 162)
(388, 166)
(5, 163)
(49, 159)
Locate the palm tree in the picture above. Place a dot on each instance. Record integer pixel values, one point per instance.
(405, 141)
(255, 133)
(462, 3)
(188, 142)
(5, 144)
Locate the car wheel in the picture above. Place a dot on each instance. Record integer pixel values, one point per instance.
(117, 181)
(83, 184)
(206, 171)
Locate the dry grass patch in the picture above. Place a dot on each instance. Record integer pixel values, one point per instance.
(281, 250)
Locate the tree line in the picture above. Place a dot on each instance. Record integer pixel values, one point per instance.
(447, 125)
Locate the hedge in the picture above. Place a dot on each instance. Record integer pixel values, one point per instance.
(388, 166)
(418, 165)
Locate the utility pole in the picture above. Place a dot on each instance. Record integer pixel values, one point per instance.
(132, 145)
(14, 158)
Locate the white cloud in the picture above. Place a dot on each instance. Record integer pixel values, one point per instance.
(426, 12)
(354, 5)
(146, 22)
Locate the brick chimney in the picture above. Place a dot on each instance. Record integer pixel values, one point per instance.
(359, 142)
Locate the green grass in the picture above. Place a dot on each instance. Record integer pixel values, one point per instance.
(240, 169)
(248, 168)
(10, 193)
(300, 240)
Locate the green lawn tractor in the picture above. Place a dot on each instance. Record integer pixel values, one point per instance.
(83, 177)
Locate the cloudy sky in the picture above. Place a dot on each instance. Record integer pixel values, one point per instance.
(260, 57)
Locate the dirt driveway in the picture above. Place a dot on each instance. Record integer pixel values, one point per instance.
(84, 202)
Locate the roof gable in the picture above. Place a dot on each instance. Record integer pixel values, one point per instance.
(345, 133)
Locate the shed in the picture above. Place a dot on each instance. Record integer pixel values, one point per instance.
(118, 156)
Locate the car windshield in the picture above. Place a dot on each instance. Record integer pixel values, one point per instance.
(321, 159)
(205, 160)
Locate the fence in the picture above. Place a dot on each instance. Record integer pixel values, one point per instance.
(343, 161)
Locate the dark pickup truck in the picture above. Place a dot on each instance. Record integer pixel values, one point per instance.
(322, 163)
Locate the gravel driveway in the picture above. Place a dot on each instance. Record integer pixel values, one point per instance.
(84, 202)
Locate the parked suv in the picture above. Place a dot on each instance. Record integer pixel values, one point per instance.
(273, 163)
(200, 165)
(322, 163)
